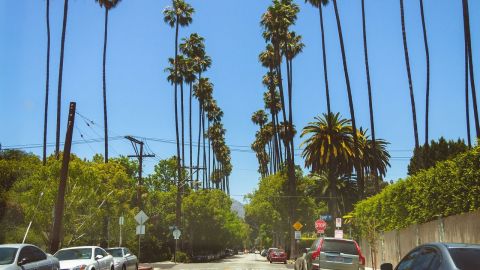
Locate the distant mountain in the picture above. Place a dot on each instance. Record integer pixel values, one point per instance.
(238, 208)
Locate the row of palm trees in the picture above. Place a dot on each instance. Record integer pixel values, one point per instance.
(108, 5)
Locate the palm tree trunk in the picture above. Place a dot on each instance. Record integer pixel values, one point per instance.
(105, 122)
(190, 133)
(209, 154)
(350, 100)
(47, 84)
(324, 53)
(199, 136)
(466, 20)
(409, 75)
(427, 55)
(467, 105)
(178, 209)
(182, 113)
(60, 77)
(205, 172)
(369, 86)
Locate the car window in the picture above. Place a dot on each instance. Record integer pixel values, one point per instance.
(74, 254)
(7, 255)
(103, 252)
(38, 254)
(466, 258)
(98, 252)
(427, 259)
(26, 253)
(340, 246)
(127, 251)
(407, 262)
(116, 252)
(315, 245)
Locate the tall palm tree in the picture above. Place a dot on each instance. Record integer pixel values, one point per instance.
(318, 4)
(468, 42)
(60, 77)
(427, 55)
(409, 75)
(108, 4)
(179, 14)
(259, 118)
(467, 106)
(330, 149)
(350, 98)
(47, 85)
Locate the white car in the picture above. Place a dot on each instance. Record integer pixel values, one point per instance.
(123, 258)
(85, 258)
(26, 257)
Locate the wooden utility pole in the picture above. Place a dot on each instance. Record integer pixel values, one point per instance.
(140, 156)
(60, 205)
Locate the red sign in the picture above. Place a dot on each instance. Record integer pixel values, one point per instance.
(320, 226)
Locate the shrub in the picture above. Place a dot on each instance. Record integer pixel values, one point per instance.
(181, 257)
(451, 187)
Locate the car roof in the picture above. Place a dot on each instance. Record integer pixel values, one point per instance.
(454, 245)
(15, 245)
(114, 247)
(338, 239)
(79, 247)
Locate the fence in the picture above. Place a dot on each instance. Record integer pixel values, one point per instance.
(393, 245)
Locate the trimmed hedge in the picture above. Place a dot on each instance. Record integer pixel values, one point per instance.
(451, 187)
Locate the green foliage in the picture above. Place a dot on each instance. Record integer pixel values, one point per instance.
(181, 257)
(267, 212)
(426, 157)
(450, 187)
(97, 194)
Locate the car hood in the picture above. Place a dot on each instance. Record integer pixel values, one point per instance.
(69, 264)
(9, 267)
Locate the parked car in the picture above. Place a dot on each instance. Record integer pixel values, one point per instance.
(85, 258)
(441, 256)
(264, 252)
(278, 255)
(269, 251)
(123, 258)
(332, 253)
(26, 257)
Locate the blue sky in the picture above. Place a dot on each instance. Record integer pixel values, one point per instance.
(141, 101)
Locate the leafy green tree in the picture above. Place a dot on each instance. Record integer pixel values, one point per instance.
(428, 155)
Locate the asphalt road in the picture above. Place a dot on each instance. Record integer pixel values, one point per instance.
(238, 262)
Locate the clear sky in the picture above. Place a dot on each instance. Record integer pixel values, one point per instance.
(140, 101)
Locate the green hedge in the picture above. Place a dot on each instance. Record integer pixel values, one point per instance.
(451, 187)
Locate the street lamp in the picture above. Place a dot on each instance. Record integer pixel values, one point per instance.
(34, 212)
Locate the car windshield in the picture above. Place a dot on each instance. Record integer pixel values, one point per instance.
(339, 246)
(7, 255)
(115, 252)
(466, 258)
(74, 254)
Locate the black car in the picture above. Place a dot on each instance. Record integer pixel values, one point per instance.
(440, 256)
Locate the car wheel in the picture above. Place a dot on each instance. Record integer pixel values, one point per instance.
(136, 266)
(270, 261)
(124, 267)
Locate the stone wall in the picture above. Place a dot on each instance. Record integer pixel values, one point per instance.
(393, 245)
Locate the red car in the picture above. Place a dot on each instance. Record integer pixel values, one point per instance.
(278, 255)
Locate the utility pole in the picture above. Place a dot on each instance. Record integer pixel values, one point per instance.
(60, 205)
(138, 154)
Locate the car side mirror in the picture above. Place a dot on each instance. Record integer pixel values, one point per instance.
(23, 261)
(386, 266)
(98, 257)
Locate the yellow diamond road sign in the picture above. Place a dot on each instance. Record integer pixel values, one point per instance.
(297, 226)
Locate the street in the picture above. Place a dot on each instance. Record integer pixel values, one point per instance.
(238, 262)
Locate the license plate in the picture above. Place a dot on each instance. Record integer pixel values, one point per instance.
(335, 258)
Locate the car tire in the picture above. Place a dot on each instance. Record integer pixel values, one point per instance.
(270, 261)
(124, 267)
(136, 266)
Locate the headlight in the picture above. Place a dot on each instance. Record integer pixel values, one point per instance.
(80, 267)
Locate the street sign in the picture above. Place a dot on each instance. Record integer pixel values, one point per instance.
(141, 217)
(176, 234)
(140, 229)
(298, 235)
(338, 222)
(320, 226)
(121, 221)
(297, 226)
(326, 217)
(339, 234)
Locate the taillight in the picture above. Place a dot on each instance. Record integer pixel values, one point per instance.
(316, 253)
(361, 259)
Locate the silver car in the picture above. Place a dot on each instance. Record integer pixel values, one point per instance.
(123, 258)
(26, 257)
(333, 254)
(84, 258)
